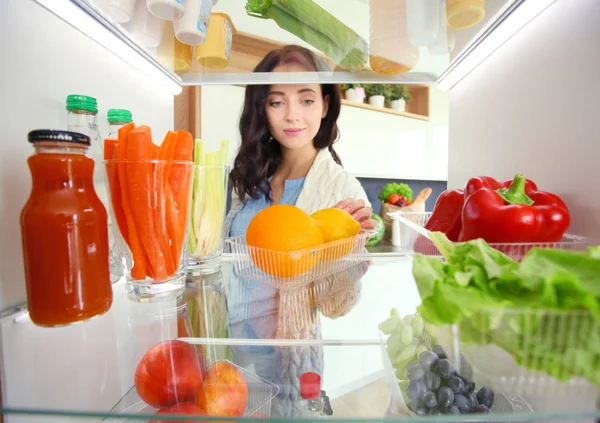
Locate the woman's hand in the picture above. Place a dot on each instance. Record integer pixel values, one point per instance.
(358, 211)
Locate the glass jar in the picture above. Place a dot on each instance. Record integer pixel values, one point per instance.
(64, 233)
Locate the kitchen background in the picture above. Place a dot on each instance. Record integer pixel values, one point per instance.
(376, 147)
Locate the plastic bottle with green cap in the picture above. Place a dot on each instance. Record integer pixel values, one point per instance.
(83, 118)
(116, 119)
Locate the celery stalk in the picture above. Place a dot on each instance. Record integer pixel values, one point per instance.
(196, 193)
(208, 200)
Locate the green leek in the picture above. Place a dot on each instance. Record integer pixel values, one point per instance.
(317, 27)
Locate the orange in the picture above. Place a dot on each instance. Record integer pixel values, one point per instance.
(284, 230)
(335, 225)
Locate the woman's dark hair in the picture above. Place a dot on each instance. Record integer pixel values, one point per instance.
(258, 158)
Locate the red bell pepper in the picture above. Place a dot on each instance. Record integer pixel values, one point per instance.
(446, 218)
(446, 215)
(479, 182)
(519, 213)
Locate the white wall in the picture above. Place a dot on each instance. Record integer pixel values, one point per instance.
(396, 147)
(44, 60)
(533, 107)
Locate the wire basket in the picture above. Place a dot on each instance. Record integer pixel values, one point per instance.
(295, 269)
(260, 394)
(542, 353)
(411, 241)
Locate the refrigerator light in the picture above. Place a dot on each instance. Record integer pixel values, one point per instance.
(513, 23)
(78, 18)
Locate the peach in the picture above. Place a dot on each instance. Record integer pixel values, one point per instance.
(169, 372)
(224, 392)
(185, 408)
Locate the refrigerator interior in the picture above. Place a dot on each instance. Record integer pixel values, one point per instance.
(532, 108)
(44, 60)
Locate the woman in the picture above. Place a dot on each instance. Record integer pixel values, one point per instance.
(286, 155)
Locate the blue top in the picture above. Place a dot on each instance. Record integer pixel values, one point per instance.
(291, 191)
(253, 307)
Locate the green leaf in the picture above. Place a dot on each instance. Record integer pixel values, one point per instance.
(427, 271)
(395, 188)
(545, 310)
(542, 263)
(258, 8)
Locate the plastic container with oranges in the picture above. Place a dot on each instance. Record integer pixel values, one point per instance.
(287, 248)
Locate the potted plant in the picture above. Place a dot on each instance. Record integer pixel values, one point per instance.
(376, 94)
(398, 95)
(353, 92)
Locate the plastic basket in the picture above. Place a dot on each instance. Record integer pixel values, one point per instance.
(411, 241)
(543, 353)
(505, 401)
(260, 394)
(293, 270)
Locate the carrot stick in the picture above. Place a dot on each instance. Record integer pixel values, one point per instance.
(179, 181)
(112, 174)
(166, 151)
(161, 220)
(165, 154)
(155, 150)
(141, 196)
(139, 261)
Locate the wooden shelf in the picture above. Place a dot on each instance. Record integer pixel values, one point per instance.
(247, 50)
(384, 110)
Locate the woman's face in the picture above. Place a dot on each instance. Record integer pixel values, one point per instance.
(294, 111)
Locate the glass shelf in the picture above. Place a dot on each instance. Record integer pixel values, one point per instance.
(85, 372)
(251, 38)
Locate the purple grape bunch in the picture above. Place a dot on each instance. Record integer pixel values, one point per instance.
(436, 388)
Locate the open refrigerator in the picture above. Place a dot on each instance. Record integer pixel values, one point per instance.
(123, 54)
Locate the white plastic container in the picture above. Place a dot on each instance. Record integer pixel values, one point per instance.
(423, 21)
(167, 10)
(192, 27)
(390, 50)
(440, 45)
(119, 10)
(144, 27)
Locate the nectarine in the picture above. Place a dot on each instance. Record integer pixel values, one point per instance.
(168, 373)
(224, 391)
(186, 408)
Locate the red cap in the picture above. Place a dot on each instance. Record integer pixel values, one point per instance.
(310, 385)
